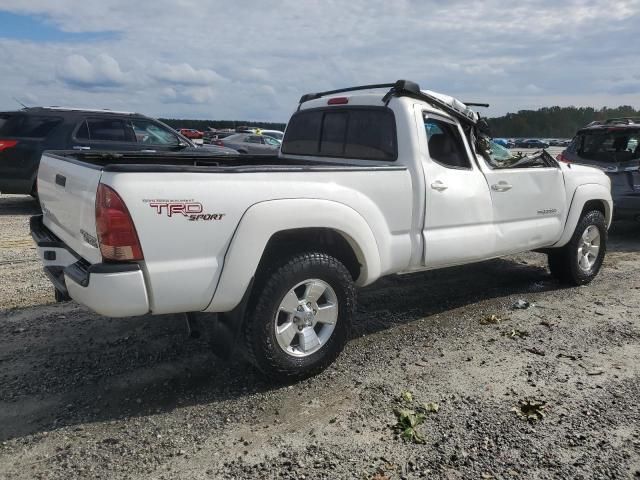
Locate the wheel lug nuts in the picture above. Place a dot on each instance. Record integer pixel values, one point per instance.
(300, 308)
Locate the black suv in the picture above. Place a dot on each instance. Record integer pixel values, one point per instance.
(26, 133)
(614, 147)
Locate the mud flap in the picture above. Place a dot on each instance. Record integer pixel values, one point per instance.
(224, 330)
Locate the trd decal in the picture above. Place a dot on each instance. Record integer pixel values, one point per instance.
(194, 211)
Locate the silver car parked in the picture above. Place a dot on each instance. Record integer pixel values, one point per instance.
(251, 143)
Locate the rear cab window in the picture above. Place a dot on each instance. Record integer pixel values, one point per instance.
(364, 133)
(27, 126)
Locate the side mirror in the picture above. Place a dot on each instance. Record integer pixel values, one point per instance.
(180, 145)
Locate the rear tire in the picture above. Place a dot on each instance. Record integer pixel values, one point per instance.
(578, 262)
(300, 318)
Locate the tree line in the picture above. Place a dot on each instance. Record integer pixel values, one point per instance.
(219, 124)
(554, 122)
(547, 122)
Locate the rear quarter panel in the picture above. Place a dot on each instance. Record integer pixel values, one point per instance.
(184, 258)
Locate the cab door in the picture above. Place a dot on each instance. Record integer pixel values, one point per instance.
(458, 224)
(529, 205)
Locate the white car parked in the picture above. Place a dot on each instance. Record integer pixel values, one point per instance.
(368, 183)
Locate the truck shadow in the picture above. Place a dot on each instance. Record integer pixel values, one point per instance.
(61, 365)
(18, 205)
(624, 236)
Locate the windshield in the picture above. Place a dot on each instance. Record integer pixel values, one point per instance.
(498, 156)
(499, 153)
(276, 135)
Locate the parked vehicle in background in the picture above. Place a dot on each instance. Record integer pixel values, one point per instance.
(559, 142)
(277, 134)
(245, 129)
(365, 185)
(531, 143)
(613, 146)
(251, 143)
(504, 142)
(213, 134)
(191, 133)
(25, 134)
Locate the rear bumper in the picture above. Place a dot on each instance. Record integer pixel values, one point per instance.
(111, 289)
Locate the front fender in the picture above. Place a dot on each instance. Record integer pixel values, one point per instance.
(263, 220)
(582, 195)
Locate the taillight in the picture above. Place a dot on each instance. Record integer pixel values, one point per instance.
(4, 144)
(116, 233)
(561, 158)
(338, 101)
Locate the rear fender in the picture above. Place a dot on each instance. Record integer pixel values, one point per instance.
(582, 195)
(263, 220)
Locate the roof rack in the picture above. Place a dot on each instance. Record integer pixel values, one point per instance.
(403, 88)
(620, 120)
(77, 109)
(476, 104)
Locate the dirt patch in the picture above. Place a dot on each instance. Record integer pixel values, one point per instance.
(84, 396)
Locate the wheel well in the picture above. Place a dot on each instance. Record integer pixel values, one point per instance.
(595, 205)
(290, 242)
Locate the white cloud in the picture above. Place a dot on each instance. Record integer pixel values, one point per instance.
(186, 58)
(189, 96)
(103, 71)
(183, 74)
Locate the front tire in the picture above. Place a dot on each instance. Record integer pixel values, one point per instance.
(578, 262)
(301, 317)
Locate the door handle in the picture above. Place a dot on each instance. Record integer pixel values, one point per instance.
(80, 147)
(439, 186)
(501, 186)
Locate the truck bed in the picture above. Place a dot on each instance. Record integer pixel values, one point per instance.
(184, 251)
(202, 162)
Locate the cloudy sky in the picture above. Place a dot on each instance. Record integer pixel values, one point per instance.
(253, 59)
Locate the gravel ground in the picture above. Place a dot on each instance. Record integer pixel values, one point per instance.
(84, 396)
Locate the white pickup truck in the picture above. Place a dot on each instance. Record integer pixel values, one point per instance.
(370, 181)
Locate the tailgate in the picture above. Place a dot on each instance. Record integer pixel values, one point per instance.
(67, 192)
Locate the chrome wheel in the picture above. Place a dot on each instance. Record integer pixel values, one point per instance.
(588, 248)
(306, 317)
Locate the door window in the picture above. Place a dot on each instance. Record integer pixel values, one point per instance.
(445, 144)
(253, 139)
(152, 133)
(104, 129)
(498, 157)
